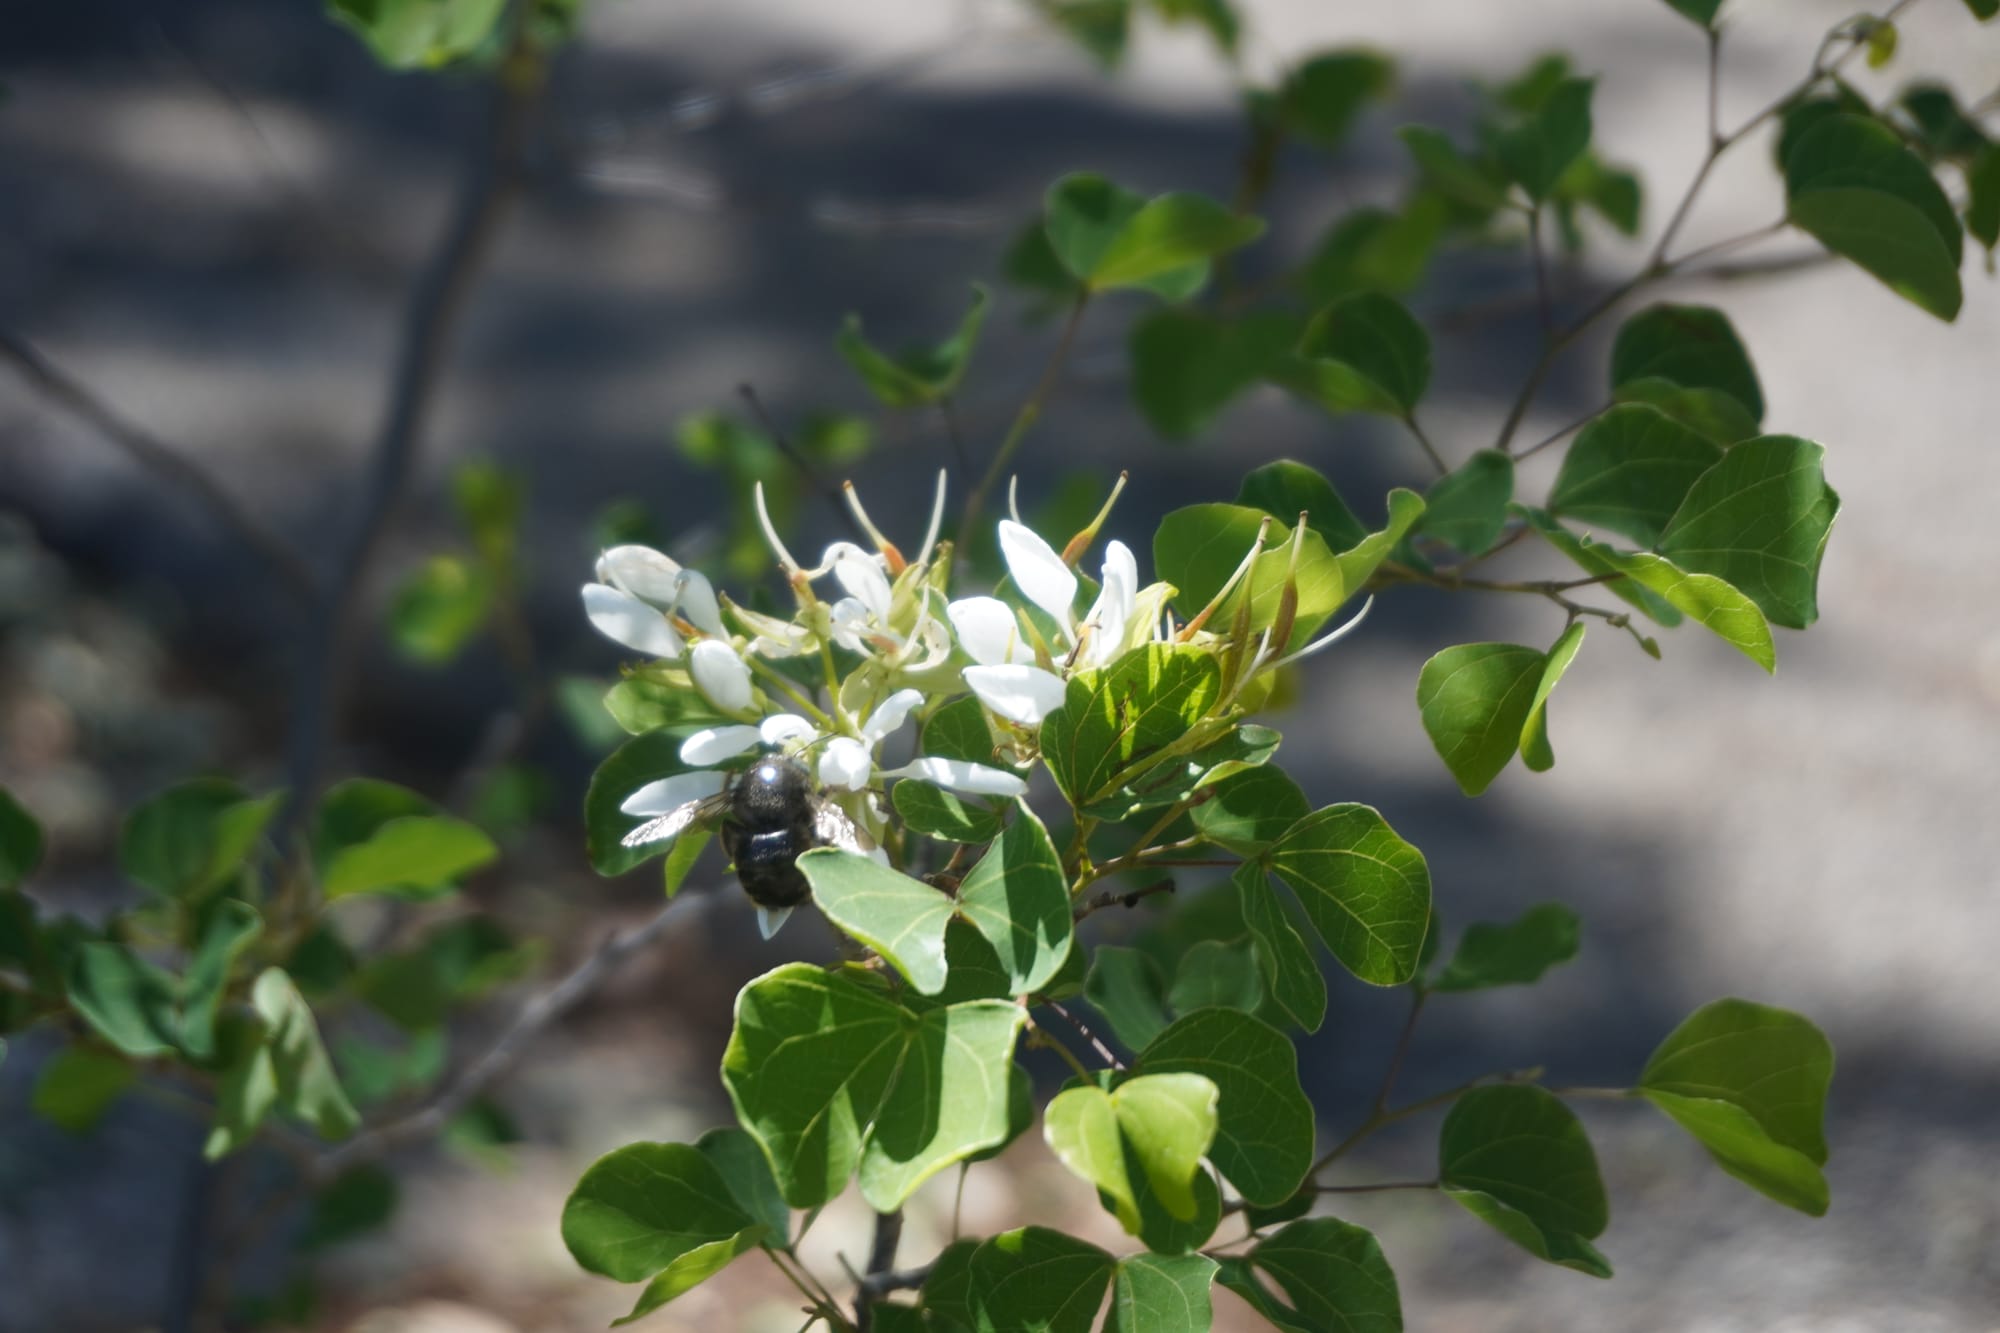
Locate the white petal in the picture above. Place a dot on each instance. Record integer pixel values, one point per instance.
(957, 774)
(623, 618)
(848, 621)
(1039, 572)
(845, 763)
(890, 715)
(697, 603)
(988, 631)
(770, 918)
(641, 571)
(1023, 694)
(716, 744)
(1111, 617)
(720, 675)
(862, 577)
(785, 728)
(670, 794)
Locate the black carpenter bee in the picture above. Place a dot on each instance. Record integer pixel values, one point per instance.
(766, 815)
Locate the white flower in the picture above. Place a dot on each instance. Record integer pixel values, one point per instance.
(638, 593)
(721, 676)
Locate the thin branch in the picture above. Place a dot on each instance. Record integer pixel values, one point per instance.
(1542, 307)
(1424, 443)
(430, 321)
(1113, 898)
(881, 1262)
(820, 486)
(1103, 1052)
(1382, 1093)
(1572, 427)
(948, 410)
(1024, 419)
(1376, 1188)
(164, 459)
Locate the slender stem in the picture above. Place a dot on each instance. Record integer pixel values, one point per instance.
(1572, 427)
(783, 683)
(1112, 898)
(1104, 1053)
(1417, 996)
(1379, 1188)
(1389, 1117)
(818, 484)
(822, 1307)
(958, 1200)
(1542, 307)
(881, 1260)
(1041, 1036)
(164, 459)
(1424, 443)
(1024, 420)
(948, 410)
(1605, 1094)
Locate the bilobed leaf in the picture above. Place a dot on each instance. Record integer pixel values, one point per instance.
(1851, 183)
(1018, 898)
(1114, 716)
(958, 730)
(941, 814)
(1086, 213)
(1450, 172)
(1322, 96)
(1291, 973)
(1709, 413)
(1665, 591)
(307, 1086)
(1081, 1128)
(1983, 9)
(420, 34)
(1629, 470)
(1519, 1160)
(920, 375)
(227, 926)
(1264, 1125)
(1169, 233)
(1373, 249)
(1251, 810)
(77, 1086)
(902, 919)
(1364, 353)
(187, 840)
(1694, 346)
(1128, 988)
(1161, 1293)
(1331, 1271)
(641, 760)
(1759, 519)
(1187, 365)
(419, 856)
(20, 841)
(1475, 700)
(1160, 1231)
(1359, 562)
(1164, 1122)
(1749, 1082)
(641, 1207)
(1197, 549)
(1217, 972)
(1100, 27)
(747, 1175)
(1536, 752)
(439, 607)
(1285, 489)
(829, 1074)
(1514, 954)
(1539, 150)
(1365, 890)
(1035, 1280)
(125, 999)
(1467, 509)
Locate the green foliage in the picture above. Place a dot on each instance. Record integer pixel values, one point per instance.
(1331, 1273)
(272, 1059)
(1851, 183)
(1112, 718)
(1187, 365)
(1264, 1124)
(1516, 954)
(77, 1086)
(1365, 890)
(1467, 509)
(1364, 353)
(1542, 146)
(20, 842)
(1749, 1082)
(187, 840)
(1322, 96)
(1630, 470)
(439, 608)
(421, 34)
(1107, 237)
(1518, 1159)
(1759, 519)
(1165, 1121)
(919, 375)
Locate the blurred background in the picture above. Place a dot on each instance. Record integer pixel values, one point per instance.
(212, 212)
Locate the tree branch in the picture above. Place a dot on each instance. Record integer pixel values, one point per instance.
(164, 459)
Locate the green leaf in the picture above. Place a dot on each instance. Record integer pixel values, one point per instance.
(360, 1199)
(828, 1073)
(902, 919)
(1321, 97)
(1701, 12)
(438, 608)
(1264, 1125)
(1359, 563)
(490, 500)
(352, 811)
(1215, 15)
(1515, 954)
(1166, 1121)
(1982, 201)
(20, 841)
(740, 1162)
(1035, 1280)
(1851, 183)
(1251, 810)
(1291, 974)
(420, 34)
(1451, 173)
(921, 375)
(125, 999)
(1169, 233)
(1217, 972)
(1710, 413)
(1941, 124)
(419, 856)
(1332, 1272)
(460, 960)
(1518, 1159)
(1629, 470)
(1373, 249)
(1112, 717)
(1100, 27)
(640, 1208)
(1364, 353)
(1129, 989)
(76, 1087)
(691, 1270)
(1759, 520)
(1196, 549)
(1664, 590)
(640, 703)
(1467, 509)
(1693, 346)
(631, 766)
(1365, 890)
(1286, 489)
(187, 840)
(1161, 1293)
(1160, 1231)
(1983, 9)
(227, 926)
(1536, 752)
(273, 1059)
(1187, 365)
(1749, 1082)
(1475, 700)
(1541, 148)
(1018, 898)
(959, 730)
(937, 813)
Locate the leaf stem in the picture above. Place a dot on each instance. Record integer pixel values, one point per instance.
(1041, 1036)
(1424, 442)
(1103, 1052)
(1024, 420)
(1376, 1120)
(1417, 997)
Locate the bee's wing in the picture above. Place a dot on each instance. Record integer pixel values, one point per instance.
(677, 821)
(832, 828)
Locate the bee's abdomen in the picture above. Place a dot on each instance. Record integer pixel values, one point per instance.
(765, 862)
